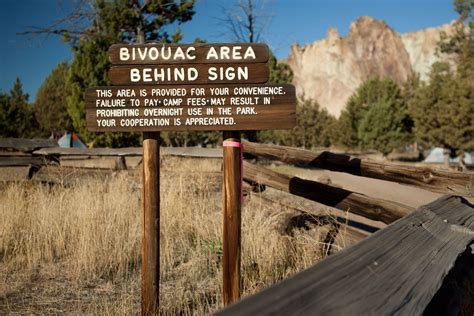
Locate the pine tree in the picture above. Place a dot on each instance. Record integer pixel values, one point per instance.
(51, 102)
(443, 110)
(376, 117)
(17, 117)
(314, 128)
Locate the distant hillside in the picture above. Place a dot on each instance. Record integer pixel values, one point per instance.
(331, 69)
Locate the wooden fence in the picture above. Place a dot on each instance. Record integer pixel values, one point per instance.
(398, 270)
(405, 268)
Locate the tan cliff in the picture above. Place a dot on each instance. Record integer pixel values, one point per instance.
(331, 69)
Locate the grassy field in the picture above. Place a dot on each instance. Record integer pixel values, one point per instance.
(69, 249)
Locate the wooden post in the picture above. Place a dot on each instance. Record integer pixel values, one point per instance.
(150, 274)
(232, 196)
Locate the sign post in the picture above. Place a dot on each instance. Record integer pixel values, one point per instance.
(190, 87)
(150, 273)
(231, 219)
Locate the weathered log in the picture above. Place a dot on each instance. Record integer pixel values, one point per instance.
(59, 151)
(398, 270)
(69, 176)
(112, 163)
(15, 173)
(197, 152)
(351, 234)
(373, 208)
(26, 145)
(21, 161)
(440, 181)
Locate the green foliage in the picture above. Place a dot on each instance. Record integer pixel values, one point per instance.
(314, 128)
(51, 102)
(443, 109)
(370, 92)
(191, 138)
(279, 72)
(385, 127)
(16, 115)
(464, 8)
(117, 21)
(376, 116)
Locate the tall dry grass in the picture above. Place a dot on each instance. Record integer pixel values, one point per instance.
(70, 249)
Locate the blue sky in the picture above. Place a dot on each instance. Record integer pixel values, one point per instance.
(293, 21)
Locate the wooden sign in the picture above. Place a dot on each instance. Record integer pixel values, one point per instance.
(189, 74)
(207, 87)
(152, 54)
(179, 108)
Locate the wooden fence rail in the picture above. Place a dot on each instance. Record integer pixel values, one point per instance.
(451, 182)
(397, 270)
(373, 208)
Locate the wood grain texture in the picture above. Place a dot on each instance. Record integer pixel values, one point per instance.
(440, 181)
(396, 271)
(372, 208)
(178, 91)
(14, 173)
(25, 144)
(231, 224)
(21, 161)
(111, 163)
(83, 153)
(201, 107)
(349, 233)
(60, 151)
(150, 272)
(254, 73)
(199, 53)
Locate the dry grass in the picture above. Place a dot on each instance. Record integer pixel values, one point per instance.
(77, 249)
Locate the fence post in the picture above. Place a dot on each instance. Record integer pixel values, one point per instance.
(232, 198)
(150, 274)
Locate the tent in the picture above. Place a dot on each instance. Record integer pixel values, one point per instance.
(436, 156)
(71, 140)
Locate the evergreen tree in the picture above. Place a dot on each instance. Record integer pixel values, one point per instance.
(443, 110)
(117, 21)
(314, 127)
(279, 72)
(386, 126)
(17, 117)
(51, 102)
(371, 92)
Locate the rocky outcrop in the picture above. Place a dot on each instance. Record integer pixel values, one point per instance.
(422, 48)
(331, 69)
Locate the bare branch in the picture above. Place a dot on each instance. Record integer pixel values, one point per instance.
(245, 21)
(75, 24)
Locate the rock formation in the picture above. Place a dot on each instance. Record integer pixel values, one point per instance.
(331, 69)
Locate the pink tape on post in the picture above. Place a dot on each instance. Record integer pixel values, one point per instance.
(230, 143)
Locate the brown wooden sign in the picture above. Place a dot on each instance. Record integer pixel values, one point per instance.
(179, 108)
(189, 74)
(122, 54)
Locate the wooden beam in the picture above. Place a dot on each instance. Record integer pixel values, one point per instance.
(461, 183)
(59, 151)
(373, 208)
(351, 234)
(25, 144)
(198, 152)
(21, 161)
(397, 270)
(150, 272)
(231, 218)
